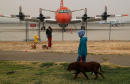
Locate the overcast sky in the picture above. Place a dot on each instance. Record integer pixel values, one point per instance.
(31, 7)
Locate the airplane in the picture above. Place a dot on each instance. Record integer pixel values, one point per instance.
(63, 16)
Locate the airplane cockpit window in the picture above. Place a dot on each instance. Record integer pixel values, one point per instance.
(63, 11)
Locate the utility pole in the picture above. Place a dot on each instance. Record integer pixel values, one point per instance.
(110, 31)
(39, 31)
(27, 31)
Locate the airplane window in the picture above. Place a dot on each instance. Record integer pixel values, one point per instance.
(63, 11)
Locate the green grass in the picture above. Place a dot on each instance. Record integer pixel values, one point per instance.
(14, 72)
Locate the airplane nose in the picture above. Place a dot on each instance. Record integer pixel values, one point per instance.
(63, 18)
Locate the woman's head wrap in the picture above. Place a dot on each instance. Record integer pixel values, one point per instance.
(81, 33)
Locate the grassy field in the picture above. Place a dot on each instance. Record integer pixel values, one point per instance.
(20, 72)
(94, 47)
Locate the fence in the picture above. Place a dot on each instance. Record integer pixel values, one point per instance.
(18, 32)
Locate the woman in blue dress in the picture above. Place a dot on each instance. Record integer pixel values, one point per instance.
(82, 49)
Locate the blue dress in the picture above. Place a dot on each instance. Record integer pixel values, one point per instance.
(82, 49)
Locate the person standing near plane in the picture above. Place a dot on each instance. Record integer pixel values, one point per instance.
(49, 36)
(82, 49)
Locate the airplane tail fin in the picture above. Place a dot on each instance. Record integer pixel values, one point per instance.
(61, 4)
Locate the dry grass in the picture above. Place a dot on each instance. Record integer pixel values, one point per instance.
(110, 65)
(94, 47)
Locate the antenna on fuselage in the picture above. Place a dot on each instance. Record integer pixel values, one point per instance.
(61, 4)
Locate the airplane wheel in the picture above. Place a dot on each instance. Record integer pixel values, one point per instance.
(82, 27)
(43, 28)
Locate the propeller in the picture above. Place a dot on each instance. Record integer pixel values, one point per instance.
(105, 15)
(41, 16)
(85, 20)
(85, 16)
(21, 15)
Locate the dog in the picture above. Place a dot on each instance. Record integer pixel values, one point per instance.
(83, 67)
(44, 47)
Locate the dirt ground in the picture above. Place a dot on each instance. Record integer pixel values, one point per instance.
(106, 52)
(121, 60)
(94, 47)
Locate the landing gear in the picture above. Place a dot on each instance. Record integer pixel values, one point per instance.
(63, 26)
(82, 27)
(43, 28)
(63, 30)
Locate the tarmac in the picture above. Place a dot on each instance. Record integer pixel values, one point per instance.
(17, 32)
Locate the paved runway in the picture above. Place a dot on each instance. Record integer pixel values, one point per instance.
(16, 32)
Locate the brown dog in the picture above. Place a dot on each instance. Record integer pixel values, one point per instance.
(83, 67)
(44, 47)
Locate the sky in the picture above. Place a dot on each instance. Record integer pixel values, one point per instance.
(95, 7)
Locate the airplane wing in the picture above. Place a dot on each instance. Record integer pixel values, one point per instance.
(47, 10)
(51, 21)
(85, 18)
(100, 17)
(26, 19)
(77, 10)
(92, 19)
(1, 15)
(75, 21)
(36, 19)
(89, 19)
(32, 20)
